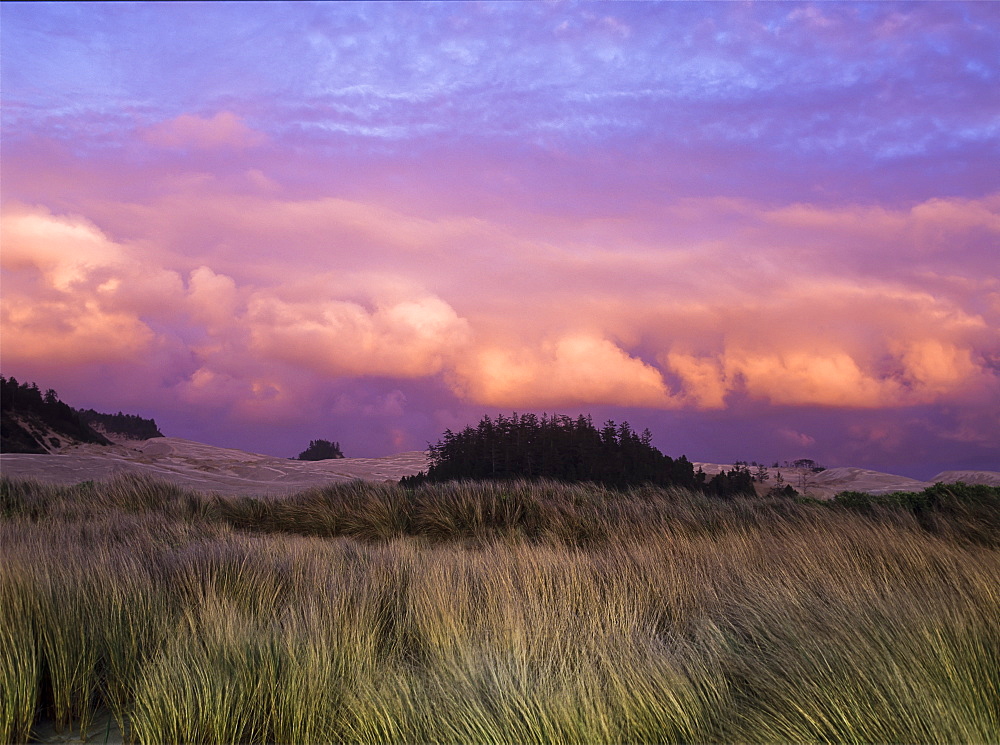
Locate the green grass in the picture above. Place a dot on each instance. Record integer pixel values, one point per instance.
(497, 613)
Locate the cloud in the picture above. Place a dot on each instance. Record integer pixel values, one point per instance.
(703, 380)
(71, 295)
(224, 130)
(934, 218)
(65, 250)
(571, 370)
(798, 438)
(406, 339)
(67, 331)
(937, 367)
(212, 298)
(796, 377)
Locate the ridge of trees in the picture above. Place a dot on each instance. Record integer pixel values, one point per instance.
(24, 404)
(26, 414)
(128, 425)
(562, 448)
(321, 450)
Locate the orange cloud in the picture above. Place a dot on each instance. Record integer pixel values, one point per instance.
(574, 369)
(66, 250)
(68, 331)
(703, 380)
(224, 130)
(212, 298)
(937, 367)
(72, 295)
(934, 219)
(796, 377)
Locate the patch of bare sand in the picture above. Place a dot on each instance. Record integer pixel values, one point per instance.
(831, 481)
(989, 478)
(195, 465)
(104, 729)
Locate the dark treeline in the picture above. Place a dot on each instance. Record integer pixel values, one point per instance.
(561, 448)
(24, 403)
(129, 425)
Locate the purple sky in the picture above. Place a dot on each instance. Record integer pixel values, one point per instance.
(764, 231)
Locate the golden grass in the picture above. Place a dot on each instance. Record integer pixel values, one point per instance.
(488, 613)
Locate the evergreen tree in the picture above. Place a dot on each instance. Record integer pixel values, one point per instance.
(554, 447)
(23, 409)
(321, 450)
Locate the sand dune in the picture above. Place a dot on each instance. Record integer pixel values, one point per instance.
(195, 465)
(208, 468)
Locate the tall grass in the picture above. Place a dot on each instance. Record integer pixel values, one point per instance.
(493, 613)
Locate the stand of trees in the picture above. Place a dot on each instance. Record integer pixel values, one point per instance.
(321, 450)
(129, 425)
(25, 412)
(561, 448)
(24, 402)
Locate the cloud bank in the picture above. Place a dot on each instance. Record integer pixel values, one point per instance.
(776, 226)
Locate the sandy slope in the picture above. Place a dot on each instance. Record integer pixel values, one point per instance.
(195, 465)
(224, 470)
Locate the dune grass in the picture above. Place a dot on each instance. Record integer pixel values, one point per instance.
(494, 613)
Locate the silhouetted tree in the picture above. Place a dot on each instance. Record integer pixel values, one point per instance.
(321, 450)
(761, 474)
(554, 447)
(129, 425)
(23, 408)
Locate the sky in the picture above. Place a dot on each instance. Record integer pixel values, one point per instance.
(764, 231)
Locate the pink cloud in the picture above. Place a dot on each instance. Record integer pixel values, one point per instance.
(257, 297)
(536, 325)
(412, 338)
(213, 299)
(224, 130)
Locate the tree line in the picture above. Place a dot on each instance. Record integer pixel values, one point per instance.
(129, 425)
(25, 412)
(562, 448)
(24, 402)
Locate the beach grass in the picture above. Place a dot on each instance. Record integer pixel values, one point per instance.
(494, 613)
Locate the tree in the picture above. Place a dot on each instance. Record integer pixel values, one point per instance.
(761, 475)
(728, 484)
(321, 450)
(781, 489)
(553, 447)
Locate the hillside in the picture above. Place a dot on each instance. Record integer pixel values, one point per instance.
(33, 422)
(195, 465)
(39, 423)
(120, 427)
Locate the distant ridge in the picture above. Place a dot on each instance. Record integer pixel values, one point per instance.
(39, 423)
(120, 426)
(209, 468)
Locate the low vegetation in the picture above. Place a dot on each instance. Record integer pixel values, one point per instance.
(499, 612)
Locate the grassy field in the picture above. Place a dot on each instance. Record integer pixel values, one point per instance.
(520, 613)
